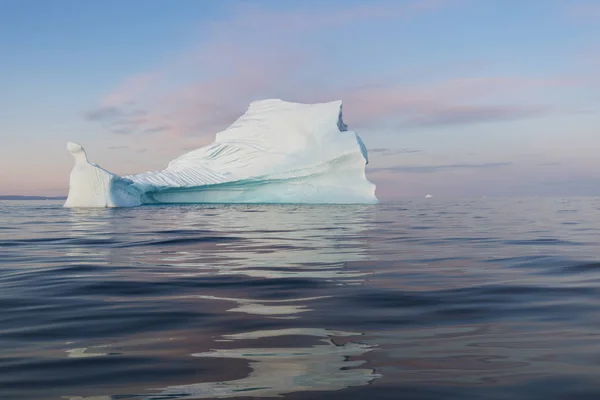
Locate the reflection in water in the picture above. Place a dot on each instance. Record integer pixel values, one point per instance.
(275, 371)
(222, 244)
(87, 398)
(458, 300)
(269, 242)
(270, 308)
(82, 353)
(89, 226)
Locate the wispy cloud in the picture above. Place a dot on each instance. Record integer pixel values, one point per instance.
(392, 152)
(453, 102)
(462, 115)
(425, 169)
(549, 164)
(131, 88)
(227, 71)
(123, 119)
(209, 85)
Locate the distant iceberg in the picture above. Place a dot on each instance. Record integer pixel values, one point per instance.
(277, 152)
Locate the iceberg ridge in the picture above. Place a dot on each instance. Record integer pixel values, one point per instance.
(276, 152)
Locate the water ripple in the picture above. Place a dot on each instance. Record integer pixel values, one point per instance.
(470, 299)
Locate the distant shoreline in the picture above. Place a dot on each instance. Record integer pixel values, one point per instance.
(17, 197)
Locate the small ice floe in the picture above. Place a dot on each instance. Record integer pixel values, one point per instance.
(427, 196)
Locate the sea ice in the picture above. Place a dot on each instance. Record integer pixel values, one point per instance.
(277, 152)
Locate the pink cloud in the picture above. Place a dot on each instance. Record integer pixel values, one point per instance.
(229, 68)
(460, 100)
(131, 89)
(247, 56)
(205, 107)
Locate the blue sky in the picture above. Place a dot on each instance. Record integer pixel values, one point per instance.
(453, 97)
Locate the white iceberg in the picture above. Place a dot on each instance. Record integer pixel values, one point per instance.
(277, 152)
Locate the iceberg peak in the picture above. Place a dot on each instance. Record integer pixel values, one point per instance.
(276, 152)
(77, 151)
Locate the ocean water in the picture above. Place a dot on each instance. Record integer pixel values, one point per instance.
(421, 299)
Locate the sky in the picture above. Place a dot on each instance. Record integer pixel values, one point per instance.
(454, 98)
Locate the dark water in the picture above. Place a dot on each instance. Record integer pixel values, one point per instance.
(426, 299)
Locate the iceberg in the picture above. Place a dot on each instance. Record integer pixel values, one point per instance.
(276, 152)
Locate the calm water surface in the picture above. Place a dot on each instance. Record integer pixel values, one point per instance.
(424, 299)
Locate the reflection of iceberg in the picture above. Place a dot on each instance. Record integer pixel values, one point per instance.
(276, 371)
(309, 244)
(83, 353)
(277, 152)
(272, 308)
(273, 242)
